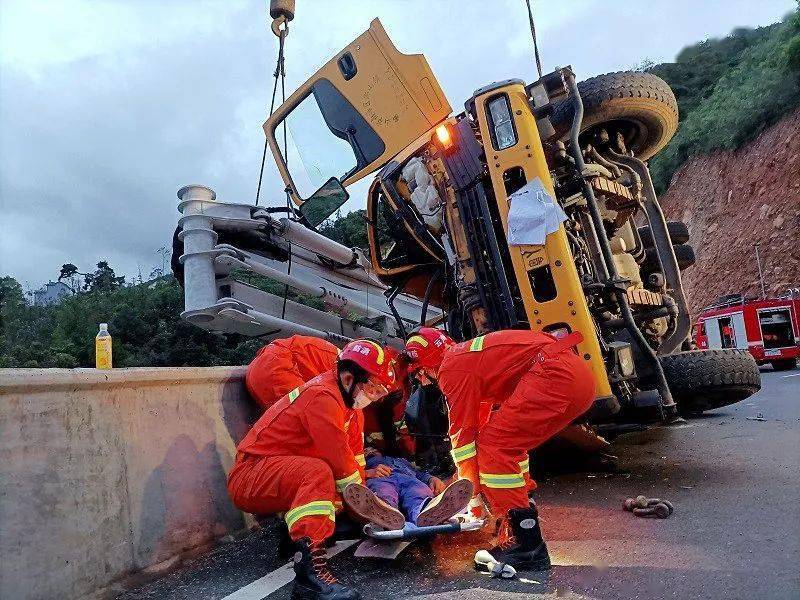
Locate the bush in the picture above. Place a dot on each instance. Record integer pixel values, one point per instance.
(729, 91)
(144, 322)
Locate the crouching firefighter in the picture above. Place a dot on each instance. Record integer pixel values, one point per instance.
(282, 365)
(301, 454)
(507, 392)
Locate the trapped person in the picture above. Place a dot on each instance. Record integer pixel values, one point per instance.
(303, 452)
(282, 365)
(507, 392)
(398, 492)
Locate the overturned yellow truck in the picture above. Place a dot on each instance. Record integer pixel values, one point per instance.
(531, 208)
(518, 212)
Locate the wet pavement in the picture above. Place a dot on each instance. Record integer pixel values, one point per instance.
(732, 475)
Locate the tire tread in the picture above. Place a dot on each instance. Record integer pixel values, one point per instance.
(706, 379)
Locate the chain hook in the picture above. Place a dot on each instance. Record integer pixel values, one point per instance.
(276, 26)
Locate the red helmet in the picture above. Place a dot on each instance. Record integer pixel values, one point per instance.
(426, 348)
(373, 358)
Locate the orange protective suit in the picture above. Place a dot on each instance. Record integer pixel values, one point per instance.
(299, 456)
(285, 364)
(508, 392)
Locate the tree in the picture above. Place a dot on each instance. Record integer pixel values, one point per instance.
(103, 279)
(350, 230)
(68, 270)
(12, 298)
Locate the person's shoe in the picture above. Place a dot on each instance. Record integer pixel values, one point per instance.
(450, 502)
(313, 579)
(363, 502)
(524, 548)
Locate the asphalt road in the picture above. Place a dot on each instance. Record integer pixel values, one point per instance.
(732, 475)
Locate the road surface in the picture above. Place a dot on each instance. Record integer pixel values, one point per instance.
(732, 475)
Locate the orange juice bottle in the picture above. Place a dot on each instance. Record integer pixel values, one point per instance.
(102, 348)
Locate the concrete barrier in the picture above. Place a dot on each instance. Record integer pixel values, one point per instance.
(105, 473)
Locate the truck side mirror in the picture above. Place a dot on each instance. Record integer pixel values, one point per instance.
(324, 202)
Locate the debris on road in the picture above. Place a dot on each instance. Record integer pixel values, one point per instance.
(641, 506)
(758, 417)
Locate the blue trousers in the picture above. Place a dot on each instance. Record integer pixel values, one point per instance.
(404, 492)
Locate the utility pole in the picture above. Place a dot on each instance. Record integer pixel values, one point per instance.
(760, 271)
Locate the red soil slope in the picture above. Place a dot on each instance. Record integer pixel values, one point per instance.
(733, 199)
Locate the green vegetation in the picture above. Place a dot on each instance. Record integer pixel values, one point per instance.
(349, 230)
(729, 91)
(144, 322)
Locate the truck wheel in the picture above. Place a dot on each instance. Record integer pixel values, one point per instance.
(678, 233)
(684, 254)
(641, 106)
(784, 365)
(703, 380)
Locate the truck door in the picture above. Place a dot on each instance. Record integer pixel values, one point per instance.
(355, 113)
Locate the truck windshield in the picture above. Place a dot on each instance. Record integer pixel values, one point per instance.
(329, 138)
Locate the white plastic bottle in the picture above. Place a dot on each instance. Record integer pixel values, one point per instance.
(102, 348)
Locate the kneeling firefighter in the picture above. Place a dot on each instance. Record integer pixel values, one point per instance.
(285, 364)
(301, 454)
(507, 392)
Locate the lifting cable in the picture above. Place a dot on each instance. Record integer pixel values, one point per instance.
(280, 72)
(533, 35)
(280, 27)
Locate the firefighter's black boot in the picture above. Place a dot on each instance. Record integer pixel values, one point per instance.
(285, 543)
(524, 548)
(313, 579)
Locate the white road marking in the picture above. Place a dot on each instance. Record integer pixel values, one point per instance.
(272, 582)
(794, 375)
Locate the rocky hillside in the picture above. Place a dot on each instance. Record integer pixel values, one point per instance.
(733, 199)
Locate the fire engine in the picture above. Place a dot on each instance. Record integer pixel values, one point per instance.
(769, 328)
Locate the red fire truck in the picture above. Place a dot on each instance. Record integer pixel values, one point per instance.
(768, 328)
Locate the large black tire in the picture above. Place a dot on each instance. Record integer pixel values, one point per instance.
(640, 105)
(684, 254)
(703, 380)
(678, 233)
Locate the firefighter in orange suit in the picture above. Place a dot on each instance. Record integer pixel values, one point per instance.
(303, 452)
(285, 364)
(384, 421)
(507, 392)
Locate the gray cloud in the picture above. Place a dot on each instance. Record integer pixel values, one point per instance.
(107, 109)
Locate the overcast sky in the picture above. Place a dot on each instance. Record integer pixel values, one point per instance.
(107, 108)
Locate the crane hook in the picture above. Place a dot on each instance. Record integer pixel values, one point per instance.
(281, 11)
(276, 26)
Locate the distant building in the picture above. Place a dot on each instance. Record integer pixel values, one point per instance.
(51, 293)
